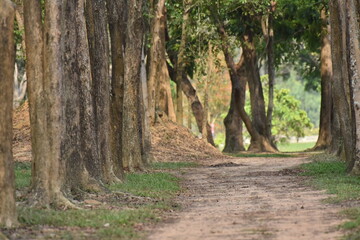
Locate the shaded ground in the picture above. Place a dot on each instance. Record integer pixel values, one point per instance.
(254, 198)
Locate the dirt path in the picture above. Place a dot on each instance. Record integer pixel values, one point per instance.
(256, 200)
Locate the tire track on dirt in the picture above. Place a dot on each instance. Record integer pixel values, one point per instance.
(255, 200)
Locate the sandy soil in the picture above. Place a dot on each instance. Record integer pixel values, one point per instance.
(260, 198)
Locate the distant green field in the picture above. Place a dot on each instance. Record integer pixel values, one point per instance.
(295, 147)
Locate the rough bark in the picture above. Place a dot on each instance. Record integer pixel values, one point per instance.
(8, 216)
(257, 129)
(96, 22)
(324, 138)
(131, 130)
(117, 20)
(233, 123)
(353, 51)
(194, 101)
(180, 64)
(340, 86)
(78, 147)
(159, 93)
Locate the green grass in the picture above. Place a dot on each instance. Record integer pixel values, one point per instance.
(330, 174)
(158, 185)
(108, 223)
(295, 147)
(173, 165)
(22, 175)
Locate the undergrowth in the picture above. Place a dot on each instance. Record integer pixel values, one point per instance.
(329, 173)
(107, 221)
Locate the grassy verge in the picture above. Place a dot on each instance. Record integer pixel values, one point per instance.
(329, 173)
(108, 220)
(295, 147)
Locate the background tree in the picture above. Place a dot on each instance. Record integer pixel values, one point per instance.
(8, 216)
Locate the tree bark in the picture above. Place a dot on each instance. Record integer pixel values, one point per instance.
(194, 101)
(353, 51)
(324, 138)
(132, 114)
(96, 22)
(8, 216)
(159, 95)
(181, 64)
(233, 123)
(340, 86)
(117, 21)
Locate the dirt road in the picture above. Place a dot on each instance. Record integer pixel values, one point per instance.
(257, 199)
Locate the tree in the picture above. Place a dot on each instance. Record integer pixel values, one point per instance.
(159, 93)
(132, 109)
(8, 216)
(117, 22)
(96, 24)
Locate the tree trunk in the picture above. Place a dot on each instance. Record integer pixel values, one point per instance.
(195, 103)
(353, 51)
(181, 64)
(271, 68)
(79, 148)
(324, 138)
(8, 216)
(131, 130)
(97, 33)
(160, 99)
(259, 139)
(233, 123)
(117, 21)
(340, 86)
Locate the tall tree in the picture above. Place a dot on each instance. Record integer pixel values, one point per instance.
(159, 92)
(8, 216)
(324, 138)
(132, 107)
(96, 22)
(117, 23)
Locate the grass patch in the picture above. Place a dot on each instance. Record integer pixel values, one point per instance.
(329, 173)
(159, 185)
(22, 175)
(108, 221)
(173, 165)
(295, 147)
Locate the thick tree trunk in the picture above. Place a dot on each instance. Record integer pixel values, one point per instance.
(353, 40)
(194, 101)
(132, 114)
(324, 138)
(8, 216)
(233, 123)
(36, 94)
(257, 129)
(340, 86)
(180, 65)
(159, 95)
(117, 21)
(97, 33)
(78, 148)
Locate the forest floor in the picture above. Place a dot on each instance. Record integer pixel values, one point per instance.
(251, 198)
(223, 198)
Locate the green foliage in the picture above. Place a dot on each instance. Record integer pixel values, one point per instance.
(288, 118)
(158, 185)
(22, 175)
